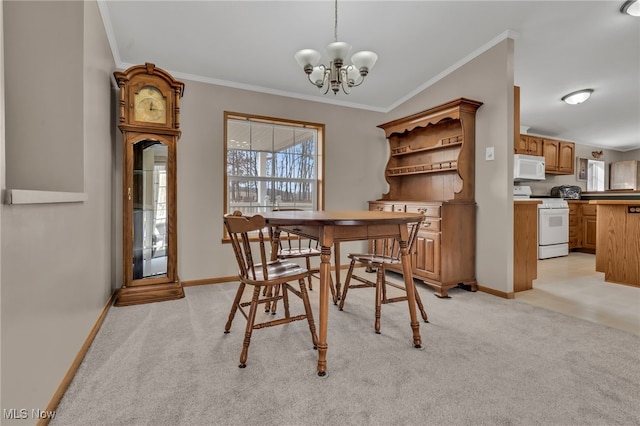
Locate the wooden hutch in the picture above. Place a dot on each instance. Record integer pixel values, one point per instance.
(431, 170)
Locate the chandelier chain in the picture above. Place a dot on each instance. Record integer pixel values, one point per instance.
(335, 23)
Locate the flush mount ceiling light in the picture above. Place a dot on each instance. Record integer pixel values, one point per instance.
(577, 97)
(337, 75)
(631, 7)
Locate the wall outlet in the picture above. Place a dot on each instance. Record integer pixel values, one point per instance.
(489, 154)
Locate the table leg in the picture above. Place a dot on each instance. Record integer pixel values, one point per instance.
(275, 243)
(325, 277)
(411, 295)
(336, 256)
(275, 246)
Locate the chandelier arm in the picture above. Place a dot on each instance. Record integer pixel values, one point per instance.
(343, 79)
(326, 79)
(336, 76)
(359, 82)
(323, 84)
(324, 76)
(311, 81)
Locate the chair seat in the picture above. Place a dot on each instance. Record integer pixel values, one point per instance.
(384, 253)
(374, 259)
(298, 252)
(278, 270)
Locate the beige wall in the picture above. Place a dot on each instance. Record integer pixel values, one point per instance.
(57, 259)
(43, 126)
(487, 78)
(581, 151)
(355, 160)
(2, 168)
(632, 155)
(60, 262)
(356, 154)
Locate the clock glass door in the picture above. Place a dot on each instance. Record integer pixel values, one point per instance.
(150, 224)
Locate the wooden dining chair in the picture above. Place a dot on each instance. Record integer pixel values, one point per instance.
(291, 246)
(259, 272)
(297, 247)
(384, 254)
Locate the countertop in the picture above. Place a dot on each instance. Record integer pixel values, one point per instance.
(611, 195)
(618, 202)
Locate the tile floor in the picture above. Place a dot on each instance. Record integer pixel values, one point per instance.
(571, 285)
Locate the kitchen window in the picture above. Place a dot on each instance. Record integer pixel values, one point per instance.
(272, 163)
(595, 175)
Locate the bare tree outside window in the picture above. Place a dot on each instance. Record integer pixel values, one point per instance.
(272, 163)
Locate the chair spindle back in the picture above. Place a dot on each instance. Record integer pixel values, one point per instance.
(239, 227)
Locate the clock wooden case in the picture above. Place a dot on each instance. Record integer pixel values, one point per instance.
(149, 119)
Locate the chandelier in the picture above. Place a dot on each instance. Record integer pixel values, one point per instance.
(338, 74)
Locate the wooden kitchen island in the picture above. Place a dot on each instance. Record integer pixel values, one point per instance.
(618, 240)
(525, 243)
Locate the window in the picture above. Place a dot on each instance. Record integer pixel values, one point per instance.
(272, 163)
(595, 175)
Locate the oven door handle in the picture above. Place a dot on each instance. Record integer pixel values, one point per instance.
(545, 211)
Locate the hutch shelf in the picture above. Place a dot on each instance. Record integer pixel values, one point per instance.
(431, 170)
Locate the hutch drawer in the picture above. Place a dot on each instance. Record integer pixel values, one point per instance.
(426, 210)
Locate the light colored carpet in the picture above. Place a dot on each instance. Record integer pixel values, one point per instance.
(486, 361)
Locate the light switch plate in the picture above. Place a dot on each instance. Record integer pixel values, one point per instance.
(489, 154)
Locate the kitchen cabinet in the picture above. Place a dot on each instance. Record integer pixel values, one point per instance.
(559, 156)
(525, 244)
(618, 252)
(582, 226)
(625, 175)
(575, 226)
(530, 145)
(431, 170)
(589, 220)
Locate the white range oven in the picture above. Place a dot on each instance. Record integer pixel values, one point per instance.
(553, 224)
(553, 228)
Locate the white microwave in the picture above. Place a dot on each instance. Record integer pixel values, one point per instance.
(528, 167)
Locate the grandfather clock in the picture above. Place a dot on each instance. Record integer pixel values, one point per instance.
(149, 109)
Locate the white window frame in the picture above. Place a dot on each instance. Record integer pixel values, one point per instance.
(261, 202)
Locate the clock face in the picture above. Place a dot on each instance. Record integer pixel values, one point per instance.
(150, 105)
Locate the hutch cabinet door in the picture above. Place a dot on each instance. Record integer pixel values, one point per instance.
(427, 255)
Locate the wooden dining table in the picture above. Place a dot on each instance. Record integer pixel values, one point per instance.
(333, 227)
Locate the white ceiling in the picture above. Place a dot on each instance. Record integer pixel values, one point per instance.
(560, 47)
